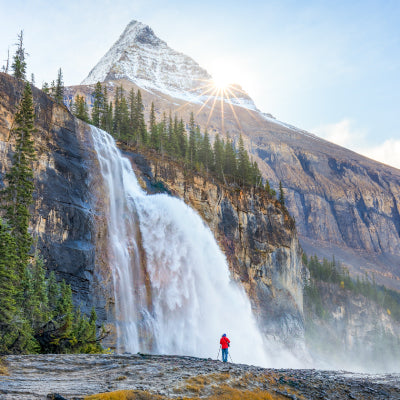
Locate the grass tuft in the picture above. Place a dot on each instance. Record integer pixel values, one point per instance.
(125, 395)
(3, 367)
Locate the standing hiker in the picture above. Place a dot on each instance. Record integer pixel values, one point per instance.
(224, 342)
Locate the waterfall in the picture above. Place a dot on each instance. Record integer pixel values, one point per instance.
(172, 285)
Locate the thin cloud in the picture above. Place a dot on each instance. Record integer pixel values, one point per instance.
(346, 134)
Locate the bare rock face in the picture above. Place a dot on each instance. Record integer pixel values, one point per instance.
(351, 331)
(344, 204)
(256, 234)
(63, 218)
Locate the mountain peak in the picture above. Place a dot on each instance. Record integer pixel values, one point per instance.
(138, 32)
(144, 59)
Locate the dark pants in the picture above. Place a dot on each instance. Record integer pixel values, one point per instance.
(224, 355)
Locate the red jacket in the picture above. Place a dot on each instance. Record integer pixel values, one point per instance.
(224, 342)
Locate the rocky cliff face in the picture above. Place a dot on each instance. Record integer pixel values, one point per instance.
(351, 331)
(256, 234)
(63, 217)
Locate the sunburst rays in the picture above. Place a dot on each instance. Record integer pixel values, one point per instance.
(212, 95)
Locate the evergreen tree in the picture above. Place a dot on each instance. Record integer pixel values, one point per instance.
(105, 122)
(281, 194)
(8, 291)
(52, 91)
(205, 152)
(59, 89)
(109, 123)
(98, 105)
(244, 166)
(218, 150)
(36, 303)
(133, 112)
(125, 133)
(256, 175)
(19, 192)
(5, 67)
(192, 141)
(230, 167)
(80, 109)
(64, 310)
(19, 64)
(154, 136)
(182, 139)
(141, 125)
(45, 87)
(163, 133)
(53, 293)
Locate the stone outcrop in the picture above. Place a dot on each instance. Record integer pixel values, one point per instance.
(172, 377)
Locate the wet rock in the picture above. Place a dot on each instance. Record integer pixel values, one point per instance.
(76, 376)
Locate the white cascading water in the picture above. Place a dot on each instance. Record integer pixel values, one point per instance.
(178, 298)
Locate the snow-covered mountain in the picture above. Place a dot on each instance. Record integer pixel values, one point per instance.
(142, 58)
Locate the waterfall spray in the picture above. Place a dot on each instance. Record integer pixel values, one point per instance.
(179, 297)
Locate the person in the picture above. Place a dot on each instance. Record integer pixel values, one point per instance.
(224, 342)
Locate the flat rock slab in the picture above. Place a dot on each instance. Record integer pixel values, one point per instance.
(76, 376)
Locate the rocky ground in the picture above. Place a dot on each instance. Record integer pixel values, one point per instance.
(173, 377)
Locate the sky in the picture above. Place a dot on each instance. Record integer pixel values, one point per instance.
(329, 67)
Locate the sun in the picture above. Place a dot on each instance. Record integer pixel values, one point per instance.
(221, 82)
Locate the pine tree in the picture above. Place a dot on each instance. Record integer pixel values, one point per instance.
(53, 293)
(281, 194)
(192, 141)
(182, 139)
(19, 192)
(133, 117)
(8, 290)
(5, 67)
(125, 133)
(45, 87)
(154, 136)
(205, 152)
(141, 125)
(244, 166)
(19, 64)
(230, 167)
(163, 133)
(98, 105)
(80, 109)
(218, 150)
(105, 122)
(109, 121)
(256, 177)
(64, 310)
(36, 303)
(59, 89)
